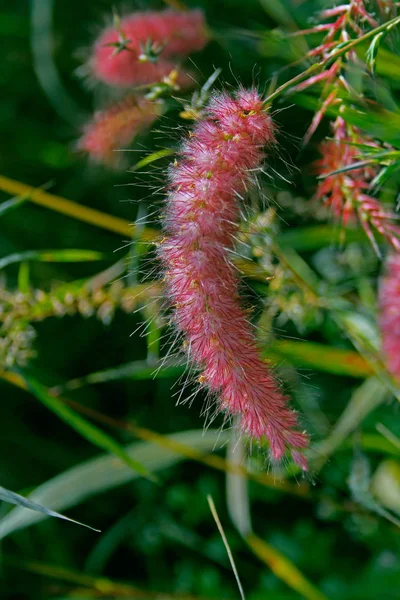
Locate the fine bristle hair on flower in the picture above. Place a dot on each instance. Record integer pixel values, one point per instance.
(389, 317)
(115, 127)
(118, 57)
(216, 166)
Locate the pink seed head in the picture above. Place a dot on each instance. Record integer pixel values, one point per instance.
(114, 128)
(389, 302)
(115, 55)
(217, 164)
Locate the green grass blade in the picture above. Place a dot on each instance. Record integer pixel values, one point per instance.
(13, 498)
(72, 255)
(90, 432)
(12, 204)
(106, 472)
(321, 358)
(24, 277)
(137, 370)
(148, 160)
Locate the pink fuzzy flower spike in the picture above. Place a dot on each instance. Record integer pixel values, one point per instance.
(203, 209)
(117, 57)
(114, 128)
(389, 303)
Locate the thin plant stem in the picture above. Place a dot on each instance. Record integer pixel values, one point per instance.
(344, 48)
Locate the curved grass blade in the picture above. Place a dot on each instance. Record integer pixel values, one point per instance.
(72, 255)
(90, 432)
(226, 544)
(13, 498)
(106, 472)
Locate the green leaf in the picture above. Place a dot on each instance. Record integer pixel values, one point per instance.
(137, 370)
(13, 498)
(23, 277)
(72, 255)
(388, 64)
(385, 174)
(106, 472)
(385, 484)
(364, 335)
(147, 160)
(372, 51)
(359, 482)
(90, 432)
(321, 358)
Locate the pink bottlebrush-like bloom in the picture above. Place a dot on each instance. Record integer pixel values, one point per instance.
(346, 192)
(202, 215)
(114, 128)
(389, 301)
(116, 53)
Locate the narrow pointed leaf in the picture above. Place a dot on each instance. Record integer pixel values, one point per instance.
(13, 498)
(321, 357)
(72, 255)
(106, 472)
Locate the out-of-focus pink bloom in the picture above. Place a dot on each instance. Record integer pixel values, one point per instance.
(216, 166)
(389, 304)
(114, 128)
(116, 56)
(346, 192)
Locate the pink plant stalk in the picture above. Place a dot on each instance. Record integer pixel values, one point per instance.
(202, 216)
(389, 301)
(115, 128)
(117, 56)
(347, 191)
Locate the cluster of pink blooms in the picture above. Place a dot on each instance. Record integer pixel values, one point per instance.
(346, 192)
(140, 49)
(115, 127)
(389, 295)
(116, 55)
(217, 164)
(345, 187)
